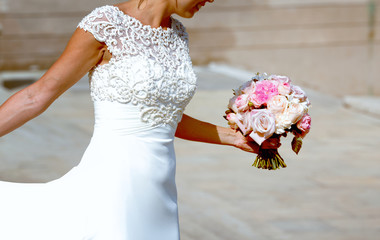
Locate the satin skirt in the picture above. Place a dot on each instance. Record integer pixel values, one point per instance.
(123, 188)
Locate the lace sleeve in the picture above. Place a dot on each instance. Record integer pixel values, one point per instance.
(102, 24)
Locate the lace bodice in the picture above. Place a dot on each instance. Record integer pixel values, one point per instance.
(150, 67)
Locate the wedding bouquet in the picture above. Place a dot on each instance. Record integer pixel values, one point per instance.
(270, 106)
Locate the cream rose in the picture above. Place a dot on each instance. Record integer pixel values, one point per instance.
(295, 111)
(290, 116)
(277, 104)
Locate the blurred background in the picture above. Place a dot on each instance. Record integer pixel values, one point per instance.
(329, 45)
(331, 48)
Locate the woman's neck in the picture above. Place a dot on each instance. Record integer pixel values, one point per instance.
(154, 13)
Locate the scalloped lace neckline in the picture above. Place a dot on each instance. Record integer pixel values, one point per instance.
(158, 29)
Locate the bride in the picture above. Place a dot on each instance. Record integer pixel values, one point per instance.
(141, 79)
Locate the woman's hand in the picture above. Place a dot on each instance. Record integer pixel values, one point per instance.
(249, 145)
(195, 130)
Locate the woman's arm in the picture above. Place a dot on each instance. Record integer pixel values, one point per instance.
(195, 130)
(81, 54)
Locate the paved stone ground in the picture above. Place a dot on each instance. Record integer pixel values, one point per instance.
(331, 190)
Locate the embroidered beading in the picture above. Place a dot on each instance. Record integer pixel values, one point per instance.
(150, 67)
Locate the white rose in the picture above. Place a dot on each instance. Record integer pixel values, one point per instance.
(299, 93)
(246, 88)
(260, 76)
(280, 78)
(282, 123)
(263, 125)
(244, 122)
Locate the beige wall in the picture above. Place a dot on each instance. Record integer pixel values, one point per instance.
(322, 44)
(35, 32)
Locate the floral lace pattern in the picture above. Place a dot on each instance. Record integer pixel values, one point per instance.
(150, 67)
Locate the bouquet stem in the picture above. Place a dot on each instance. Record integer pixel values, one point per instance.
(269, 159)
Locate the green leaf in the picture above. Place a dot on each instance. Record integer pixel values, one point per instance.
(297, 144)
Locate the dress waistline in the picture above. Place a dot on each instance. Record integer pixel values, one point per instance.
(122, 119)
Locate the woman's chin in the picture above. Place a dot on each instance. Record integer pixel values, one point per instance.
(189, 14)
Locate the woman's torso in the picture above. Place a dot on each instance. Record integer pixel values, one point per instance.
(150, 68)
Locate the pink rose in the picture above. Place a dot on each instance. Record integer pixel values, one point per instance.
(241, 102)
(232, 120)
(254, 100)
(277, 104)
(264, 91)
(304, 124)
(263, 125)
(232, 104)
(284, 88)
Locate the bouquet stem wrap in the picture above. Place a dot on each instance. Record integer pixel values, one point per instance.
(269, 159)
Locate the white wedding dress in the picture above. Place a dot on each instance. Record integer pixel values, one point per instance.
(124, 187)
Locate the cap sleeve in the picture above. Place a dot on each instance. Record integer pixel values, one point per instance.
(102, 24)
(181, 30)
